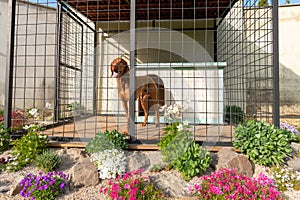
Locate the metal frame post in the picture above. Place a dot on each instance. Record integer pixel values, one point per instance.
(276, 95)
(9, 63)
(132, 69)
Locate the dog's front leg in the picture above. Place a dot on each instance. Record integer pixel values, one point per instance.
(125, 107)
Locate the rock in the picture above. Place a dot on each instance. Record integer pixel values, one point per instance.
(171, 183)
(16, 187)
(294, 163)
(228, 158)
(296, 148)
(85, 173)
(137, 160)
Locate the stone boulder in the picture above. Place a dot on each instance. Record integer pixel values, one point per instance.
(137, 160)
(170, 182)
(85, 173)
(227, 157)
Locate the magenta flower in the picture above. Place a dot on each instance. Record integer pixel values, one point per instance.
(131, 186)
(228, 184)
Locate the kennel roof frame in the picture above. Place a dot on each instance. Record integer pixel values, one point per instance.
(119, 10)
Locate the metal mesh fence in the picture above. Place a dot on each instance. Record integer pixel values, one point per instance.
(209, 62)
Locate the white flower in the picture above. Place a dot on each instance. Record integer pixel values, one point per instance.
(162, 108)
(180, 127)
(48, 105)
(26, 127)
(110, 163)
(186, 123)
(34, 112)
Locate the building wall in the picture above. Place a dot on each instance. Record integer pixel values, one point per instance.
(3, 48)
(289, 58)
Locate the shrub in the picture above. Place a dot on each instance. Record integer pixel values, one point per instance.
(169, 133)
(48, 160)
(19, 118)
(234, 114)
(131, 186)
(285, 178)
(262, 143)
(193, 162)
(41, 187)
(110, 163)
(26, 149)
(177, 146)
(183, 153)
(117, 138)
(227, 184)
(4, 138)
(106, 140)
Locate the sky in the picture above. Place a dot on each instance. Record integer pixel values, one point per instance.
(291, 1)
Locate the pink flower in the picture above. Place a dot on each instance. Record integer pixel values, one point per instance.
(215, 190)
(114, 195)
(126, 186)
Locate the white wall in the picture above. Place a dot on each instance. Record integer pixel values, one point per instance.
(3, 48)
(289, 57)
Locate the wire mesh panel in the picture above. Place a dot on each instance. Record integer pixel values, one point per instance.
(245, 42)
(34, 63)
(137, 66)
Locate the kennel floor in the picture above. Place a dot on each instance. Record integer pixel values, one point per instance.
(84, 129)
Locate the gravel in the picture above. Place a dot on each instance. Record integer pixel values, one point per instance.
(10, 180)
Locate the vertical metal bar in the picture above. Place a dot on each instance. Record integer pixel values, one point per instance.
(95, 70)
(276, 111)
(81, 66)
(132, 70)
(57, 69)
(9, 63)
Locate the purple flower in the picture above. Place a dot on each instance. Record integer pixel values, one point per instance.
(62, 185)
(287, 126)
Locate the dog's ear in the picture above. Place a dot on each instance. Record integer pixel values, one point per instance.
(126, 68)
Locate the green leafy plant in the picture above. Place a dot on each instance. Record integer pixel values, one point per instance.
(262, 143)
(26, 149)
(106, 140)
(182, 153)
(48, 160)
(194, 161)
(4, 138)
(169, 133)
(43, 186)
(234, 114)
(132, 185)
(285, 178)
(176, 147)
(117, 138)
(99, 143)
(297, 138)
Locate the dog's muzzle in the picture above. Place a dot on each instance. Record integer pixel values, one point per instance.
(115, 75)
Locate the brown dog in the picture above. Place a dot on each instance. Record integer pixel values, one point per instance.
(149, 90)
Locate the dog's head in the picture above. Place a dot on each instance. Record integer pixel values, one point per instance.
(118, 67)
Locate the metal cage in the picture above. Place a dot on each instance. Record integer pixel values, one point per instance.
(212, 63)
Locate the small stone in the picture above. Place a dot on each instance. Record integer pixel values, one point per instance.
(294, 163)
(227, 157)
(16, 187)
(85, 174)
(137, 160)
